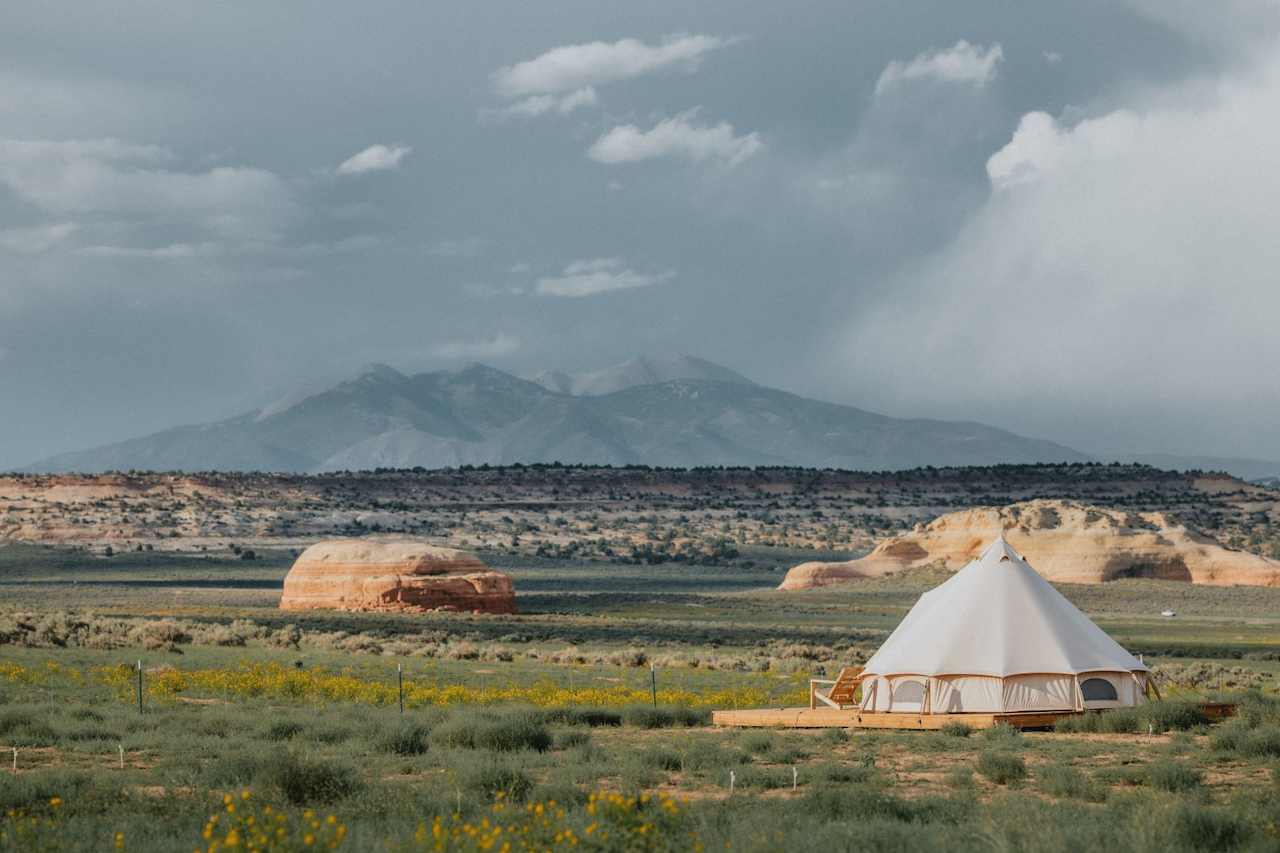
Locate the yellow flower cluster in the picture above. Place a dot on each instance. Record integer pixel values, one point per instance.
(51, 673)
(242, 825)
(611, 821)
(274, 681)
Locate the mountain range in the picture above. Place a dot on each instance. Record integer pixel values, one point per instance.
(678, 411)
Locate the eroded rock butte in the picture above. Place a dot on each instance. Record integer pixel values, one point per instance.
(395, 575)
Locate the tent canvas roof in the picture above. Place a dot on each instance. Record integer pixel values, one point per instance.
(997, 616)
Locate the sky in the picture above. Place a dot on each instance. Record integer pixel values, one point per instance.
(1054, 218)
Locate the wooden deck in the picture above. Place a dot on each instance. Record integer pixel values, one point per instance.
(853, 718)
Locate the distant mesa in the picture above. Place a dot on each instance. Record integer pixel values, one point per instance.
(394, 575)
(1064, 541)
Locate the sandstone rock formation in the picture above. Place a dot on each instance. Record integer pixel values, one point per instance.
(1064, 541)
(394, 574)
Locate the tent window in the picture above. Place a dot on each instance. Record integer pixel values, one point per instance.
(1098, 690)
(908, 691)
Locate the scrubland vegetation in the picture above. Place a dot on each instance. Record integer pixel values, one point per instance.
(283, 731)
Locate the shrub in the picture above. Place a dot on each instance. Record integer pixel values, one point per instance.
(1002, 735)
(1173, 776)
(955, 728)
(304, 781)
(1263, 742)
(1172, 715)
(1201, 828)
(282, 730)
(757, 743)
(510, 734)
(1002, 767)
(649, 717)
(706, 754)
(594, 717)
(232, 771)
(960, 778)
(501, 734)
(21, 727)
(660, 758)
(571, 739)
(1063, 780)
(1129, 776)
(1239, 737)
(405, 740)
(1119, 721)
(490, 778)
(1077, 723)
(856, 804)
(845, 773)
(762, 778)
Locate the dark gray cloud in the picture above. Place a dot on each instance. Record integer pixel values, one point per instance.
(203, 206)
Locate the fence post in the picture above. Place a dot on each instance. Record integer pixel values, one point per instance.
(139, 686)
(653, 683)
(400, 684)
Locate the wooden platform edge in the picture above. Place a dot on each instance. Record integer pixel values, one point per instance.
(854, 718)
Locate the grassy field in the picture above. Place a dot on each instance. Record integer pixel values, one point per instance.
(539, 730)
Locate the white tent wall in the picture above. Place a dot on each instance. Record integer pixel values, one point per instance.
(984, 694)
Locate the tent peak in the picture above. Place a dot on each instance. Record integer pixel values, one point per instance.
(1000, 551)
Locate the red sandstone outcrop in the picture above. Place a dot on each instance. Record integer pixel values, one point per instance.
(394, 574)
(1062, 540)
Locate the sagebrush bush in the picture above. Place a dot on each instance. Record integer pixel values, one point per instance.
(1003, 735)
(283, 730)
(955, 728)
(408, 739)
(649, 717)
(1119, 721)
(489, 778)
(571, 739)
(1202, 828)
(1001, 766)
(1173, 776)
(304, 781)
(593, 717)
(1171, 715)
(758, 743)
(662, 758)
(498, 734)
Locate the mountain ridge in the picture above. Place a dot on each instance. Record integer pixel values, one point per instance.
(477, 414)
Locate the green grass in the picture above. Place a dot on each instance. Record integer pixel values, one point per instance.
(1194, 787)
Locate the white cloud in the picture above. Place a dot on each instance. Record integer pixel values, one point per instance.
(1040, 145)
(111, 177)
(499, 345)
(578, 66)
(1124, 264)
(962, 63)
(35, 240)
(536, 105)
(375, 158)
(1051, 56)
(598, 275)
(676, 137)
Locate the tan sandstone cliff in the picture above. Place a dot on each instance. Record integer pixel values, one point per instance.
(1062, 540)
(394, 574)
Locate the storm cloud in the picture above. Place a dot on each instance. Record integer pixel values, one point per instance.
(1051, 219)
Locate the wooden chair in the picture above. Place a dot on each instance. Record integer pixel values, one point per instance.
(839, 692)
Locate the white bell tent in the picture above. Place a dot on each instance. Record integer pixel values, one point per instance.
(997, 637)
